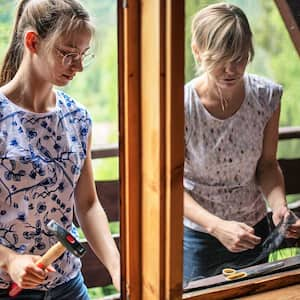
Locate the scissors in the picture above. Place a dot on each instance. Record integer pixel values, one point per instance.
(233, 274)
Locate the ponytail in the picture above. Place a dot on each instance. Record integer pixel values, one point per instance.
(50, 19)
(14, 54)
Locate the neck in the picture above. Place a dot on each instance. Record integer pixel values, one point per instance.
(219, 101)
(25, 91)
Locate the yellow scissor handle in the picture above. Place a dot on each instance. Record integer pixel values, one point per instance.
(232, 274)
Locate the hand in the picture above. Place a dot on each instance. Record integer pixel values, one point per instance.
(236, 236)
(293, 231)
(23, 271)
(279, 214)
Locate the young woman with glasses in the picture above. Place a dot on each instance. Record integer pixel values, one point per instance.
(45, 153)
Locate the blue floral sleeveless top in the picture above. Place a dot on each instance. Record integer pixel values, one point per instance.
(41, 156)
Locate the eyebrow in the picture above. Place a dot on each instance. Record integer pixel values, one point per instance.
(75, 48)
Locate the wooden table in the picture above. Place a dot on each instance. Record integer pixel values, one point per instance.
(286, 293)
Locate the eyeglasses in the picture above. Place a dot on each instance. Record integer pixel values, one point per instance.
(70, 58)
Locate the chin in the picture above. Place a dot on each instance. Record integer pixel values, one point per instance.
(61, 83)
(229, 84)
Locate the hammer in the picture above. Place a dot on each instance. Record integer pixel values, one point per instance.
(65, 241)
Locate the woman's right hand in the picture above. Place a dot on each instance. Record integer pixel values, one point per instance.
(24, 272)
(235, 236)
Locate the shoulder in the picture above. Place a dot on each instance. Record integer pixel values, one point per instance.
(189, 86)
(189, 94)
(265, 92)
(263, 84)
(69, 104)
(65, 100)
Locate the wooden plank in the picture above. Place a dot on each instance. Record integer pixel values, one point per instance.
(130, 151)
(291, 170)
(94, 272)
(286, 293)
(109, 196)
(289, 132)
(121, 88)
(218, 280)
(174, 146)
(105, 151)
(153, 151)
(251, 286)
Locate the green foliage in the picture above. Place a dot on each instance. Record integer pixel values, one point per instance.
(106, 169)
(97, 86)
(6, 12)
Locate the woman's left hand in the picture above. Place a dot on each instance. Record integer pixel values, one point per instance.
(279, 214)
(293, 232)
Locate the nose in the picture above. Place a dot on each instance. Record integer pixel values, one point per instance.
(231, 68)
(77, 65)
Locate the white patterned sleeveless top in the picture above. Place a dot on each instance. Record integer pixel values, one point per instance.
(221, 156)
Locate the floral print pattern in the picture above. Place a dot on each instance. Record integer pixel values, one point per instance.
(41, 156)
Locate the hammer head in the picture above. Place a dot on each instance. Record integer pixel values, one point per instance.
(66, 238)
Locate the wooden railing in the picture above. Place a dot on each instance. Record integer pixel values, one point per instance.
(94, 272)
(290, 167)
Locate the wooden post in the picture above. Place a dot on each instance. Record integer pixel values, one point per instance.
(290, 21)
(152, 164)
(130, 150)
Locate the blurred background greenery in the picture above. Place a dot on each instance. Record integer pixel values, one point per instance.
(97, 87)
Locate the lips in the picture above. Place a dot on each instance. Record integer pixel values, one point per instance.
(69, 77)
(230, 79)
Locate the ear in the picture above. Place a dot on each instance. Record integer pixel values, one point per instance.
(31, 41)
(196, 52)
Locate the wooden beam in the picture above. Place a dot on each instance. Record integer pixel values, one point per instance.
(153, 151)
(152, 125)
(130, 151)
(162, 73)
(174, 124)
(290, 22)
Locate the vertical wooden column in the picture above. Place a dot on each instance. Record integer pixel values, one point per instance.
(153, 151)
(130, 147)
(174, 120)
(162, 147)
(152, 119)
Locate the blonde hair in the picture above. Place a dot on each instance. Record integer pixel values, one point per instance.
(222, 34)
(51, 19)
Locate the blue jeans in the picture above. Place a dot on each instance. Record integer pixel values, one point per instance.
(205, 256)
(75, 289)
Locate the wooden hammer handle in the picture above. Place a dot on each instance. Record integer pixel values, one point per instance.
(50, 256)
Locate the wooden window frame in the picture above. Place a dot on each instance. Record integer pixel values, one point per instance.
(151, 61)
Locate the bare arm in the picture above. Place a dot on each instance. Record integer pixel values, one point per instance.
(235, 236)
(94, 223)
(269, 175)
